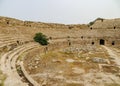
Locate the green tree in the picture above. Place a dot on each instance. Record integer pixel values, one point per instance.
(41, 38)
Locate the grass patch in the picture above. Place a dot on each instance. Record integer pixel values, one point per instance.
(74, 84)
(112, 84)
(2, 78)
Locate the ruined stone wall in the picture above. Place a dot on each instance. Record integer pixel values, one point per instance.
(107, 23)
(108, 30)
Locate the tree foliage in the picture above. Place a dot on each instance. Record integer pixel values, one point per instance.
(41, 38)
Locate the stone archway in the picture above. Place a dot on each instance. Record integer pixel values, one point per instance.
(113, 42)
(93, 43)
(102, 42)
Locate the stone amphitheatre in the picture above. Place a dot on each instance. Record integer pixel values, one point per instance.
(77, 54)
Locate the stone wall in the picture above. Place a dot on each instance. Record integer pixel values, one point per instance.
(107, 23)
(108, 30)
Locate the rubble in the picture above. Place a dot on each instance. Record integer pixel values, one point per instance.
(99, 60)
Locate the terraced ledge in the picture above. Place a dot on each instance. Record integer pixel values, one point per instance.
(114, 55)
(29, 78)
(8, 65)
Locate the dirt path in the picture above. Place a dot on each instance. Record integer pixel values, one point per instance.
(113, 54)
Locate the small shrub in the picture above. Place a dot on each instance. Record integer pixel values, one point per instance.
(41, 38)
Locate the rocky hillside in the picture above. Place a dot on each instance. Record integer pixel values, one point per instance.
(28, 29)
(5, 21)
(98, 23)
(101, 28)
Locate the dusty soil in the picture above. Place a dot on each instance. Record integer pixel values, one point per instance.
(75, 66)
(80, 65)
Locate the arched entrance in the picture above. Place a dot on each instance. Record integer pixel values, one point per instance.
(93, 43)
(113, 42)
(102, 42)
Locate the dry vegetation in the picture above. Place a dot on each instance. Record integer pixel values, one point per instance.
(74, 56)
(70, 66)
(2, 78)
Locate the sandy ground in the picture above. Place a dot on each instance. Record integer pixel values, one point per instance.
(70, 70)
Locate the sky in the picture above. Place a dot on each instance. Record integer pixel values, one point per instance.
(60, 11)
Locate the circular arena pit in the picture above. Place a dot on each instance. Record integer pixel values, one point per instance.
(71, 66)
